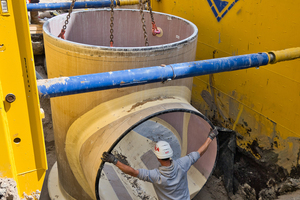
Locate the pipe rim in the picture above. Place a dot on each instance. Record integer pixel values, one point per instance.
(145, 119)
(125, 49)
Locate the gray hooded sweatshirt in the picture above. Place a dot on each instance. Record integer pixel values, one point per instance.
(171, 182)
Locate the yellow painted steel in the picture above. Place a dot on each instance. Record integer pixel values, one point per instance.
(287, 54)
(127, 2)
(261, 104)
(7, 167)
(23, 156)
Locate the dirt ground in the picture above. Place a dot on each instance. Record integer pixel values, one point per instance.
(48, 130)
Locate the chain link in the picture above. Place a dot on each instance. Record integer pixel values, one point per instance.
(154, 27)
(112, 23)
(150, 9)
(69, 15)
(63, 30)
(143, 22)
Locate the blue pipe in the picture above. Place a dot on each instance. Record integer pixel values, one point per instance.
(67, 5)
(93, 82)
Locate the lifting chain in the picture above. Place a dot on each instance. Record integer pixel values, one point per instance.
(144, 25)
(112, 23)
(63, 30)
(154, 28)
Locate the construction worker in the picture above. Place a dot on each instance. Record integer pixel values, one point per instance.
(170, 179)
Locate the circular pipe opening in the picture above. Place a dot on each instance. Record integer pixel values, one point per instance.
(92, 28)
(184, 129)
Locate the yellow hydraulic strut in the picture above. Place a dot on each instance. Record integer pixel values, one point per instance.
(127, 2)
(284, 55)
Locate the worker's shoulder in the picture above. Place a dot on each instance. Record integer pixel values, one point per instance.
(191, 155)
(189, 158)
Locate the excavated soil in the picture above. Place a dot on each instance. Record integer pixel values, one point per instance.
(8, 189)
(48, 129)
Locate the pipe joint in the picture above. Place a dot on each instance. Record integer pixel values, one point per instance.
(284, 55)
(127, 2)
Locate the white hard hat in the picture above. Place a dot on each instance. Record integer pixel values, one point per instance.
(163, 150)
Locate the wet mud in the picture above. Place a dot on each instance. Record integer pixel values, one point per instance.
(147, 101)
(248, 177)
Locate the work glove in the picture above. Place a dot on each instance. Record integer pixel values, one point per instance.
(108, 157)
(213, 133)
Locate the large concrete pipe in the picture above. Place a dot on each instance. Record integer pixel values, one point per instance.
(129, 131)
(87, 124)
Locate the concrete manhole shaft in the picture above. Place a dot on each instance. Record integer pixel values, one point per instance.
(86, 125)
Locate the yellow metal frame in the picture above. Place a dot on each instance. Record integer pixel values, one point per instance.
(23, 155)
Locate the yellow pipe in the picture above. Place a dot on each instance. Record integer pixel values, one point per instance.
(284, 55)
(127, 2)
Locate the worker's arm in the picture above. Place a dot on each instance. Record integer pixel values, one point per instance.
(127, 169)
(108, 157)
(212, 134)
(204, 147)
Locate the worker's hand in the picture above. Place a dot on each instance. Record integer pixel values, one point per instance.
(213, 133)
(108, 157)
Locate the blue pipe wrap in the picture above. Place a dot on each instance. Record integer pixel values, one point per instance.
(67, 5)
(125, 78)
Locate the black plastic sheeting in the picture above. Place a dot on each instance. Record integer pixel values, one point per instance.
(225, 163)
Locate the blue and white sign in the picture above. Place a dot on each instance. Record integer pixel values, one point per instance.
(220, 8)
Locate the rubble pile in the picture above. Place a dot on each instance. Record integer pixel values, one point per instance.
(8, 189)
